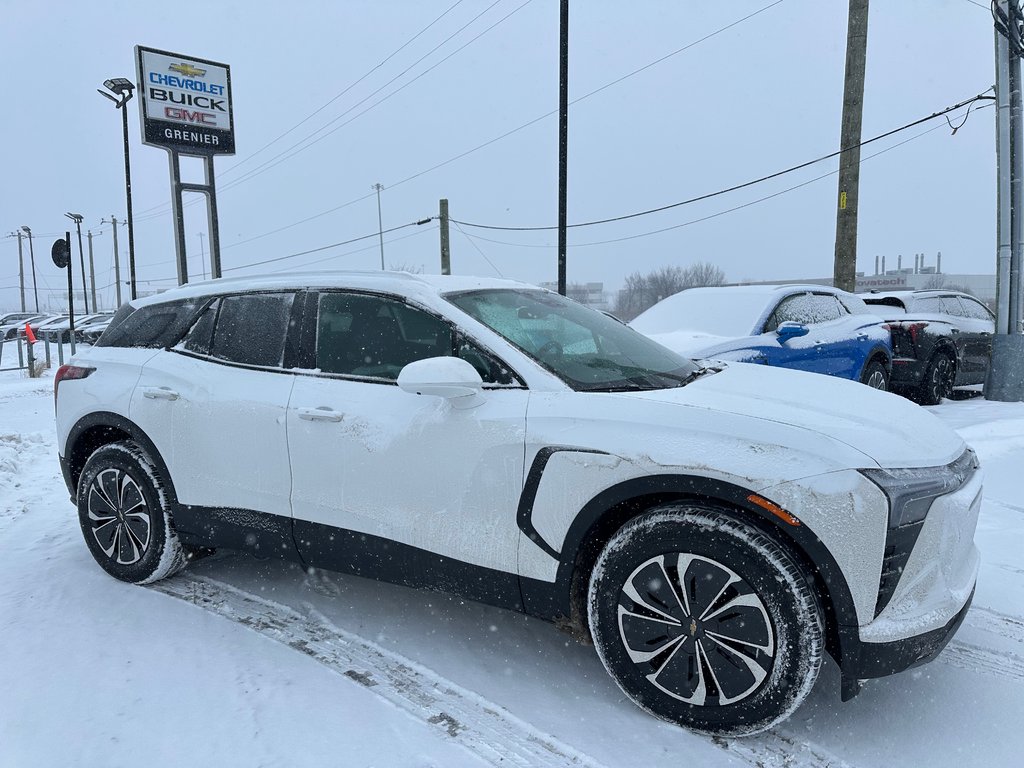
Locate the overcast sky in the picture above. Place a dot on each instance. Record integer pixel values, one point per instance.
(758, 97)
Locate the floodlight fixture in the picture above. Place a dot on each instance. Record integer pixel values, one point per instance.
(75, 217)
(121, 86)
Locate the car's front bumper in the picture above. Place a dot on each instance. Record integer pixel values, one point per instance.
(861, 660)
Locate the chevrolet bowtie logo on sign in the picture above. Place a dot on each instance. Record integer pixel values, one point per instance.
(187, 70)
(185, 104)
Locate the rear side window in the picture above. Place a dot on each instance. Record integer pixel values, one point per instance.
(252, 328)
(155, 326)
(929, 304)
(951, 306)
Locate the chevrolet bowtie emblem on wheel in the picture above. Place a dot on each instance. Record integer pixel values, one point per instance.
(187, 70)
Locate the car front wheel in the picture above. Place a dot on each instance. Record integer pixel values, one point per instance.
(703, 620)
(122, 510)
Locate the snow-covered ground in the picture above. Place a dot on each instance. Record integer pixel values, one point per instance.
(248, 662)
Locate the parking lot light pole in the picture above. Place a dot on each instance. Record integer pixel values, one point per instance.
(124, 89)
(32, 258)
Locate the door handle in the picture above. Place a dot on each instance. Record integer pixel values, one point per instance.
(160, 393)
(323, 413)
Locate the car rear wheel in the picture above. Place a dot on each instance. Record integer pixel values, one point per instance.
(703, 620)
(123, 512)
(875, 375)
(938, 380)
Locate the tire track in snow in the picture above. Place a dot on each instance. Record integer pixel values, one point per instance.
(1000, 624)
(776, 749)
(975, 658)
(482, 727)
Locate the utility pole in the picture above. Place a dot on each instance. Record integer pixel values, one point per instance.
(380, 224)
(446, 251)
(32, 258)
(563, 140)
(92, 274)
(1005, 379)
(77, 218)
(202, 252)
(117, 262)
(845, 267)
(21, 269)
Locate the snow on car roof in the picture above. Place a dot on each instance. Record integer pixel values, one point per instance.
(397, 282)
(734, 310)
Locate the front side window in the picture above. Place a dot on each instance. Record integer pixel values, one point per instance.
(586, 349)
(806, 309)
(376, 336)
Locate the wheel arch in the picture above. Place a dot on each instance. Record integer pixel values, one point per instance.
(101, 428)
(607, 512)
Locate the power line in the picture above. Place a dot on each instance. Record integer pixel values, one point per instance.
(163, 206)
(525, 125)
(357, 250)
(713, 215)
(332, 245)
(478, 250)
(369, 72)
(736, 187)
(283, 156)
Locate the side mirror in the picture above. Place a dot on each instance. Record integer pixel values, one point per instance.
(790, 330)
(449, 377)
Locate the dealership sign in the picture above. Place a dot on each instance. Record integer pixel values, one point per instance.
(185, 104)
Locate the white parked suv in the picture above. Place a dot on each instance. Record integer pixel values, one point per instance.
(713, 530)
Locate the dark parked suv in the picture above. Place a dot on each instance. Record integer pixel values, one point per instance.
(940, 340)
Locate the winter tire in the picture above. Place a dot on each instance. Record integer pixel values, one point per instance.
(704, 621)
(875, 375)
(123, 512)
(938, 380)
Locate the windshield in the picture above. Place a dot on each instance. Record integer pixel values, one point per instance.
(588, 350)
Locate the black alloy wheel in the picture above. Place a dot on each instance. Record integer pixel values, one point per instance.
(938, 379)
(703, 620)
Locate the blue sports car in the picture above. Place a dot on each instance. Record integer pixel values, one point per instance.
(807, 327)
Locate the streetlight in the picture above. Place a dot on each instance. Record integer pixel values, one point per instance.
(77, 218)
(32, 258)
(123, 90)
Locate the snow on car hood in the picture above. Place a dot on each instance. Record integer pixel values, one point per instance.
(888, 429)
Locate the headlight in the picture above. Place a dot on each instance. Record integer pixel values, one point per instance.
(912, 491)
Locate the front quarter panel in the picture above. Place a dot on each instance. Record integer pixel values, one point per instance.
(598, 441)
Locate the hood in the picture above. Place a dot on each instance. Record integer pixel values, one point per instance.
(888, 429)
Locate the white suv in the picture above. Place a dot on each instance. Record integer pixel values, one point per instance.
(712, 530)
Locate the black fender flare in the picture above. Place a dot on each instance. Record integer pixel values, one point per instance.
(72, 462)
(619, 503)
